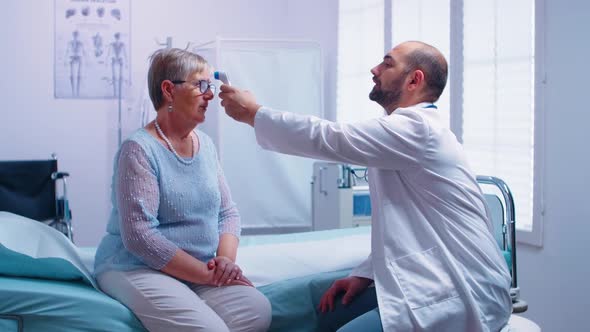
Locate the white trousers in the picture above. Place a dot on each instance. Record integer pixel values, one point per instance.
(163, 303)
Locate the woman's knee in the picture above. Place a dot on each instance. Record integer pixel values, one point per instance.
(261, 309)
(256, 314)
(264, 311)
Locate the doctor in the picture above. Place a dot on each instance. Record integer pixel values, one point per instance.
(434, 262)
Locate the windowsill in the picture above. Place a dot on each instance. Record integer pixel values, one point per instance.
(533, 238)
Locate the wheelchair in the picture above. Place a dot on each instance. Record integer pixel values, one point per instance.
(30, 188)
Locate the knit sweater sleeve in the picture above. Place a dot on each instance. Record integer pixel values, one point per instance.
(229, 217)
(138, 198)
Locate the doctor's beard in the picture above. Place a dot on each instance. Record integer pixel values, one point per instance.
(388, 98)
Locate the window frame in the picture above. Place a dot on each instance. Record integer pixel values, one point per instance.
(535, 236)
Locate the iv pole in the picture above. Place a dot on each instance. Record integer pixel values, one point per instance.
(119, 106)
(145, 111)
(168, 42)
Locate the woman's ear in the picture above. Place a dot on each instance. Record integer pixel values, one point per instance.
(167, 90)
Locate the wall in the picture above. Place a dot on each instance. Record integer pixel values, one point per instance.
(554, 279)
(83, 133)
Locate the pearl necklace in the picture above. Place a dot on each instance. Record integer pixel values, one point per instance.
(181, 159)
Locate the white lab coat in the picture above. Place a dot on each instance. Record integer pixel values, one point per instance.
(435, 263)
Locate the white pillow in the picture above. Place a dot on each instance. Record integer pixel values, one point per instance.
(29, 248)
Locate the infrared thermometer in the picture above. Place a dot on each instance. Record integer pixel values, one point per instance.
(222, 76)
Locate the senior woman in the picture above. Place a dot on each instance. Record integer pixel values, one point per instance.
(172, 238)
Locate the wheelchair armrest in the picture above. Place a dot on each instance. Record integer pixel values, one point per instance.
(59, 175)
(64, 214)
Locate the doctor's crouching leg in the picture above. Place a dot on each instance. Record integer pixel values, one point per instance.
(361, 314)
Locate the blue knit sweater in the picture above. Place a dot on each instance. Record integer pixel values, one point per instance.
(161, 205)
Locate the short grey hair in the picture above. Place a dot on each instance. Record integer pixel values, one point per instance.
(171, 64)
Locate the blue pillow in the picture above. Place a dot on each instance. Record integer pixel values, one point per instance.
(31, 249)
(19, 265)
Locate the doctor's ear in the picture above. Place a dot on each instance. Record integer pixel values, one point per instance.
(416, 79)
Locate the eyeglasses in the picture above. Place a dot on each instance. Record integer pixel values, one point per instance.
(203, 85)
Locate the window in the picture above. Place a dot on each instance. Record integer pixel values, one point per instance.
(498, 123)
(360, 48)
(493, 86)
(427, 21)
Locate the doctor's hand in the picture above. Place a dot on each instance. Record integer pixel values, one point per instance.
(239, 104)
(351, 286)
(226, 272)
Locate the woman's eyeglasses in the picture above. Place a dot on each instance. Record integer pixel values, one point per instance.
(203, 85)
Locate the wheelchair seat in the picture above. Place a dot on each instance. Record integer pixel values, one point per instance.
(29, 188)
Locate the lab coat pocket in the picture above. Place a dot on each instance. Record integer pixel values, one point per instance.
(424, 278)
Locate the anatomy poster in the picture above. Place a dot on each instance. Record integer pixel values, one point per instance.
(92, 57)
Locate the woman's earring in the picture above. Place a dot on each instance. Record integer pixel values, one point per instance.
(170, 108)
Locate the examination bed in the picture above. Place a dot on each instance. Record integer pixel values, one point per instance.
(46, 282)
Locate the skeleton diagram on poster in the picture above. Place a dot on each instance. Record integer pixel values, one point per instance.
(92, 48)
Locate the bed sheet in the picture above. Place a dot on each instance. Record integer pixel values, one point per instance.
(269, 259)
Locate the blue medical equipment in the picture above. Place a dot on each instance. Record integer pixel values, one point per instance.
(222, 76)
